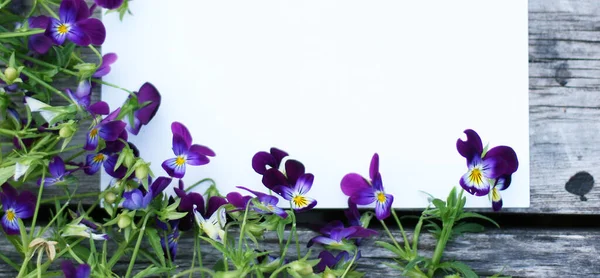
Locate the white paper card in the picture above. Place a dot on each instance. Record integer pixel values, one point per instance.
(331, 82)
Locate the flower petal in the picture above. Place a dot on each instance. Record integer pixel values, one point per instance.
(286, 192)
(470, 148)
(68, 10)
(383, 209)
(159, 185)
(99, 108)
(214, 203)
(109, 167)
(238, 200)
(149, 93)
(52, 32)
(322, 240)
(278, 155)
(496, 199)
(56, 167)
(474, 185)
(304, 183)
(93, 29)
(352, 183)
(272, 179)
(260, 160)
(78, 36)
(364, 196)
(133, 199)
(10, 227)
(180, 130)
(40, 43)
(171, 167)
(507, 154)
(202, 150)
(91, 141)
(107, 60)
(93, 163)
(293, 170)
(503, 182)
(195, 158)
(306, 204)
(109, 4)
(179, 145)
(352, 214)
(374, 168)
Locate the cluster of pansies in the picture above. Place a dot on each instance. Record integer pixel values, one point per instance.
(136, 205)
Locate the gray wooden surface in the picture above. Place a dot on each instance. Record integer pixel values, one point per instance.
(564, 94)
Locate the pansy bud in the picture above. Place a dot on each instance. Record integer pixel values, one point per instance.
(301, 267)
(85, 69)
(229, 274)
(255, 229)
(128, 157)
(67, 130)
(365, 219)
(142, 171)
(11, 74)
(110, 197)
(124, 221)
(328, 273)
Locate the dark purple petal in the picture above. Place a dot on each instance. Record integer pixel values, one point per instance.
(56, 167)
(159, 185)
(383, 209)
(83, 11)
(339, 234)
(135, 128)
(40, 43)
(48, 181)
(93, 163)
(214, 203)
(10, 227)
(278, 155)
(112, 116)
(40, 22)
(272, 179)
(377, 183)
(110, 131)
(174, 170)
(99, 108)
(364, 196)
(238, 200)
(293, 170)
(361, 232)
(180, 147)
(327, 260)
(352, 214)
(374, 168)
(352, 183)
(493, 166)
(470, 148)
(262, 197)
(69, 270)
(496, 200)
(109, 4)
(93, 29)
(68, 10)
(179, 130)
(196, 159)
(260, 160)
(503, 182)
(118, 145)
(78, 36)
(202, 150)
(149, 93)
(107, 60)
(109, 166)
(336, 224)
(507, 154)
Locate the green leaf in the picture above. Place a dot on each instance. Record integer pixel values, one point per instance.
(6, 173)
(465, 215)
(154, 241)
(464, 269)
(152, 271)
(463, 227)
(399, 252)
(413, 263)
(219, 265)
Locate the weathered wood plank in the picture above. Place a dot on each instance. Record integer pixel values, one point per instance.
(517, 252)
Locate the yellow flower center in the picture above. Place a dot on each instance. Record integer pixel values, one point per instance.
(300, 201)
(63, 29)
(98, 158)
(11, 215)
(180, 160)
(94, 132)
(476, 176)
(381, 197)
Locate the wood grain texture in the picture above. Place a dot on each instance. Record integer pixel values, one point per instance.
(516, 252)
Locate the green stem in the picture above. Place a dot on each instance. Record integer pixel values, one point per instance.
(390, 235)
(112, 85)
(4, 4)
(33, 6)
(242, 229)
(294, 229)
(97, 53)
(406, 243)
(441, 245)
(197, 269)
(199, 183)
(37, 206)
(76, 196)
(199, 256)
(351, 263)
(21, 34)
(137, 246)
(48, 86)
(39, 263)
(56, 215)
(274, 274)
(48, 9)
(416, 234)
(9, 261)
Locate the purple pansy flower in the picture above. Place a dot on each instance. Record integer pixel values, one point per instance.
(16, 206)
(104, 68)
(213, 220)
(352, 214)
(189, 200)
(268, 203)
(185, 152)
(83, 96)
(137, 199)
(70, 271)
(330, 261)
(109, 4)
(40, 43)
(141, 107)
(74, 23)
(94, 161)
(238, 200)
(363, 192)
(489, 172)
(267, 164)
(108, 129)
(297, 194)
(56, 167)
(172, 238)
(336, 236)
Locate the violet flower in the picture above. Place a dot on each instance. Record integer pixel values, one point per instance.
(267, 164)
(488, 172)
(70, 271)
(57, 170)
(83, 96)
(141, 107)
(136, 199)
(213, 222)
(40, 43)
(185, 152)
(363, 192)
(107, 60)
(172, 238)
(93, 162)
(108, 129)
(267, 204)
(109, 4)
(330, 261)
(16, 206)
(336, 236)
(297, 194)
(190, 201)
(74, 23)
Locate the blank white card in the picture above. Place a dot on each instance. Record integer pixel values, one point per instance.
(331, 83)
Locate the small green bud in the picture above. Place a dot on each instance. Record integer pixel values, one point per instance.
(67, 131)
(129, 157)
(124, 221)
(365, 219)
(110, 197)
(85, 69)
(328, 273)
(255, 230)
(11, 74)
(301, 267)
(142, 171)
(229, 274)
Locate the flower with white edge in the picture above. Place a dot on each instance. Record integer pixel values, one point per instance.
(213, 226)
